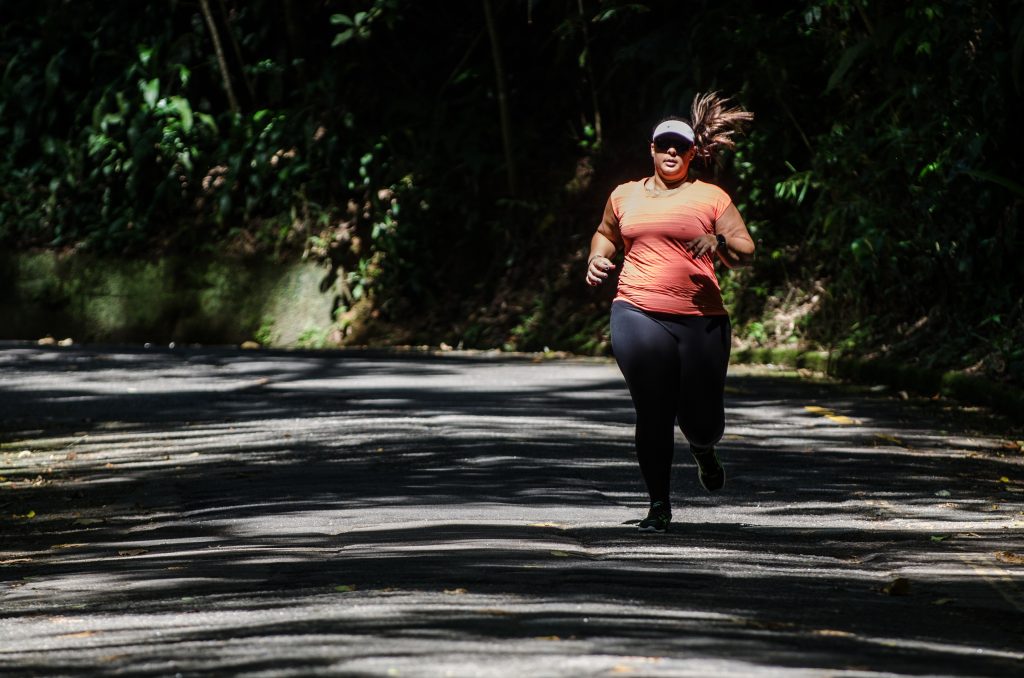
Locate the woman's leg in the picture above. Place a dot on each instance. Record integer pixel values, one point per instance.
(704, 344)
(648, 357)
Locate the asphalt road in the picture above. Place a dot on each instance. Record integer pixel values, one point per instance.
(221, 512)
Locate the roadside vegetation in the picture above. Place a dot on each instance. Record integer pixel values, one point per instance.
(450, 160)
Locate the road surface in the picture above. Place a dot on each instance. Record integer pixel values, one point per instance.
(220, 512)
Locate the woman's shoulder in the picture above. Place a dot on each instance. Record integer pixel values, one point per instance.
(711, 195)
(627, 187)
(711, 189)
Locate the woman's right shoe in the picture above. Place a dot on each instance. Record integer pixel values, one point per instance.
(657, 519)
(709, 469)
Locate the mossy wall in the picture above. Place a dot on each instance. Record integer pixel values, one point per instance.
(214, 301)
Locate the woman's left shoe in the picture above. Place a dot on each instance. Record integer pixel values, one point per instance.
(709, 470)
(657, 519)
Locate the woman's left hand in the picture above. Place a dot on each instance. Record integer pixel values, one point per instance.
(701, 245)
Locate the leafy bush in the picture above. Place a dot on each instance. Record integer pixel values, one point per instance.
(451, 162)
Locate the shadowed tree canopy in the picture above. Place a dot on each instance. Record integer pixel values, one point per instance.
(451, 159)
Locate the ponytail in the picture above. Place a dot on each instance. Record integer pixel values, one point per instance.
(714, 124)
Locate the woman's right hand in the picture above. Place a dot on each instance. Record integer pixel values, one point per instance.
(598, 269)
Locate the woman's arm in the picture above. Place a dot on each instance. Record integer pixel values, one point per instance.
(739, 246)
(605, 242)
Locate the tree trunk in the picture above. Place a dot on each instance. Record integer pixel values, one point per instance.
(246, 80)
(499, 77)
(590, 77)
(221, 61)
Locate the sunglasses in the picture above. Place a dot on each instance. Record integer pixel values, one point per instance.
(663, 143)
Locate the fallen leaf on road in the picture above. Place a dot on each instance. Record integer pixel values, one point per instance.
(80, 634)
(939, 537)
(24, 516)
(547, 638)
(833, 632)
(1004, 479)
(546, 525)
(622, 668)
(560, 554)
(830, 415)
(897, 587)
(132, 552)
(943, 493)
(1010, 558)
(344, 588)
(889, 439)
(840, 419)
(456, 592)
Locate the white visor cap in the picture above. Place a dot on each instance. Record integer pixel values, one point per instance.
(677, 127)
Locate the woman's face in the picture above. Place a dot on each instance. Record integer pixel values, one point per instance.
(672, 155)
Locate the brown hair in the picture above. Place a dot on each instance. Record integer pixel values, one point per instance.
(714, 124)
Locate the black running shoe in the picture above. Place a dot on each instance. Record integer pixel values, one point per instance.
(657, 519)
(709, 469)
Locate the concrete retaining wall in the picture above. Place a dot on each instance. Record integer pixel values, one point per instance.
(212, 301)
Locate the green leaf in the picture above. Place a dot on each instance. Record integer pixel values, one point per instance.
(342, 37)
(996, 179)
(52, 73)
(207, 119)
(846, 62)
(150, 91)
(184, 111)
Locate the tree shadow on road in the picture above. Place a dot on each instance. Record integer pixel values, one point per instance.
(262, 484)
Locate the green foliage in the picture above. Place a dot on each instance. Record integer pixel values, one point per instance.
(882, 175)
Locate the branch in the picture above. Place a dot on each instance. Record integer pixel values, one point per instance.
(208, 15)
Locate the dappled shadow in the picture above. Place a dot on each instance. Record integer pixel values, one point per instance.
(714, 590)
(244, 489)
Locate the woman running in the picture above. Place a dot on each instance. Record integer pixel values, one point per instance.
(670, 331)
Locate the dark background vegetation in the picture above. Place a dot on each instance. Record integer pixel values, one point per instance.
(452, 158)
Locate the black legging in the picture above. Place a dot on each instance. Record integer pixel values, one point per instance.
(675, 367)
